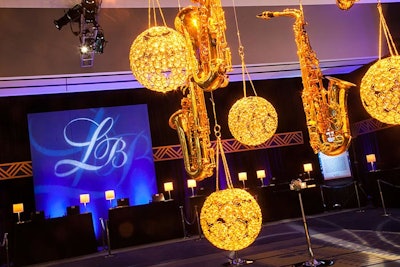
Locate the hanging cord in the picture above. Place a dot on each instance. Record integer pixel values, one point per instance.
(179, 5)
(220, 150)
(152, 7)
(241, 54)
(389, 39)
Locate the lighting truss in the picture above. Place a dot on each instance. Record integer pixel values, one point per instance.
(91, 35)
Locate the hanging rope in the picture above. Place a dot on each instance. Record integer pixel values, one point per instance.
(241, 54)
(220, 151)
(152, 7)
(389, 39)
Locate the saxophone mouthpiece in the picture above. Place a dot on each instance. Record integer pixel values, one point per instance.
(265, 15)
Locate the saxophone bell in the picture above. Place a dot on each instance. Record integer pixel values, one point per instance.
(345, 4)
(192, 126)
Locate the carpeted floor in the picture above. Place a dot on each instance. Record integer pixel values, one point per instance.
(367, 237)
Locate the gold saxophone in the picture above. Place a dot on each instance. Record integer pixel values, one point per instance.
(325, 110)
(191, 123)
(210, 59)
(204, 30)
(345, 4)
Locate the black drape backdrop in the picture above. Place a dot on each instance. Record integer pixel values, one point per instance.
(282, 163)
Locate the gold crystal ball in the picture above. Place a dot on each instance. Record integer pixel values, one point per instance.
(252, 120)
(380, 90)
(231, 219)
(158, 59)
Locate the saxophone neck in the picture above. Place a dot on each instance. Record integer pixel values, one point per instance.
(288, 12)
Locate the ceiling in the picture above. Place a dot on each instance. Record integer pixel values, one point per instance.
(41, 59)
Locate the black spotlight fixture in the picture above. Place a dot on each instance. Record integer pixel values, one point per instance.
(91, 35)
(72, 15)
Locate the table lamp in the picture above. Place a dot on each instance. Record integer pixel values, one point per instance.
(110, 195)
(243, 178)
(371, 159)
(308, 168)
(261, 176)
(18, 208)
(169, 186)
(191, 183)
(84, 199)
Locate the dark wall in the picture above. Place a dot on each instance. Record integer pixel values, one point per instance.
(284, 163)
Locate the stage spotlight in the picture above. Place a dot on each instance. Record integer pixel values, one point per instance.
(85, 49)
(72, 15)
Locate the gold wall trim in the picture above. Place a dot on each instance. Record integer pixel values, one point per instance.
(173, 152)
(15, 170)
(162, 153)
(368, 126)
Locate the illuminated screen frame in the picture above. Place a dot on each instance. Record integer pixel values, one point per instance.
(335, 167)
(90, 151)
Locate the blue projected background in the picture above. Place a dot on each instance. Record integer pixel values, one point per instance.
(90, 151)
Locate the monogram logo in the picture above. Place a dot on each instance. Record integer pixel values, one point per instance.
(99, 151)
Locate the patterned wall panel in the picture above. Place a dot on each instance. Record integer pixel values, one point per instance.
(368, 126)
(15, 170)
(163, 153)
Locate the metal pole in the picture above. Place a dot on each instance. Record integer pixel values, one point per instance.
(383, 202)
(183, 221)
(103, 228)
(5, 244)
(198, 222)
(108, 240)
(358, 197)
(322, 197)
(312, 259)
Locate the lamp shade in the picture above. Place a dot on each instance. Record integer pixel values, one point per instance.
(110, 194)
(242, 176)
(191, 183)
(84, 198)
(19, 207)
(371, 158)
(261, 174)
(307, 167)
(169, 186)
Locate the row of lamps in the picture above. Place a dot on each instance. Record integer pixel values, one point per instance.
(169, 186)
(18, 208)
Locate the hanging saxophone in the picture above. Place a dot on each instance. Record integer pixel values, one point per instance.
(209, 61)
(345, 4)
(191, 123)
(325, 109)
(204, 28)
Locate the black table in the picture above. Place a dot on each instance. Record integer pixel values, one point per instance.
(142, 224)
(53, 239)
